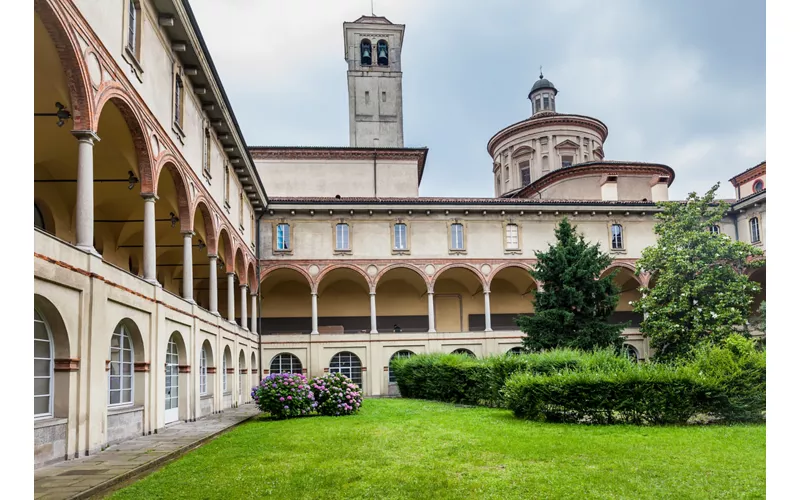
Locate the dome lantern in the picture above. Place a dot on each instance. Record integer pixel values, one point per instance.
(543, 95)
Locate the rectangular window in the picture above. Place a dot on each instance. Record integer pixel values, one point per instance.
(755, 233)
(512, 236)
(241, 209)
(383, 96)
(207, 152)
(282, 238)
(525, 173)
(546, 101)
(203, 372)
(227, 185)
(538, 104)
(224, 374)
(342, 237)
(616, 237)
(566, 161)
(400, 240)
(133, 28)
(545, 164)
(366, 97)
(178, 100)
(456, 237)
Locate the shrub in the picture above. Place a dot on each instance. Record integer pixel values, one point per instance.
(284, 395)
(336, 395)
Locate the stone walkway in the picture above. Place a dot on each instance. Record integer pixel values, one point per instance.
(90, 476)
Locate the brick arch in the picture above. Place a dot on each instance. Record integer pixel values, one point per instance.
(624, 265)
(168, 162)
(477, 273)
(252, 278)
(315, 286)
(403, 266)
(267, 272)
(224, 233)
(72, 63)
(208, 221)
(519, 265)
(114, 93)
(240, 270)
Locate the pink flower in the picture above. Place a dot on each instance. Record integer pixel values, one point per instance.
(289, 398)
(281, 398)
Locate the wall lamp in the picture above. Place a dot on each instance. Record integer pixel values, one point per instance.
(173, 219)
(132, 179)
(62, 114)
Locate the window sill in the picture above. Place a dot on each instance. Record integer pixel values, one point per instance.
(136, 67)
(207, 177)
(342, 252)
(513, 251)
(178, 131)
(618, 251)
(282, 252)
(119, 410)
(398, 251)
(227, 393)
(206, 396)
(44, 422)
(457, 252)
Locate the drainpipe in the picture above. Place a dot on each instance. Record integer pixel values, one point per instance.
(258, 271)
(375, 174)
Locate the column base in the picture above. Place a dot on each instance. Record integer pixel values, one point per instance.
(431, 331)
(488, 330)
(216, 313)
(191, 301)
(89, 249)
(373, 331)
(314, 333)
(154, 282)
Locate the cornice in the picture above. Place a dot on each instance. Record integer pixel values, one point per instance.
(545, 120)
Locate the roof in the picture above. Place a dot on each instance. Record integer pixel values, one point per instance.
(419, 155)
(447, 201)
(749, 174)
(547, 118)
(373, 19)
(542, 83)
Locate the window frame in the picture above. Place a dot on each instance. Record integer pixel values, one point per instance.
(756, 183)
(450, 237)
(364, 42)
(338, 369)
(377, 53)
(406, 248)
(124, 334)
(132, 42)
(178, 104)
(569, 162)
(750, 221)
(241, 210)
(402, 353)
(506, 227)
(227, 190)
(525, 166)
(611, 236)
(715, 229)
(203, 371)
(38, 211)
(38, 316)
(287, 238)
(224, 374)
(336, 248)
(281, 358)
(207, 153)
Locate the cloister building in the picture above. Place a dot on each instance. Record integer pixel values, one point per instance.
(175, 264)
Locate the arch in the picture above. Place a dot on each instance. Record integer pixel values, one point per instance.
(208, 223)
(622, 265)
(43, 361)
(285, 362)
(114, 93)
(464, 351)
(43, 216)
(525, 267)
(440, 272)
(224, 237)
(521, 151)
(209, 352)
(348, 364)
(285, 295)
(402, 353)
(242, 371)
(206, 361)
(401, 300)
(76, 74)
(515, 351)
(53, 318)
(239, 265)
(337, 267)
(252, 278)
(265, 272)
(403, 266)
(227, 364)
(185, 212)
(383, 52)
(177, 337)
(365, 52)
(631, 352)
(254, 368)
(125, 386)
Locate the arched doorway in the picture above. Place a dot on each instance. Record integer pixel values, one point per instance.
(242, 376)
(172, 385)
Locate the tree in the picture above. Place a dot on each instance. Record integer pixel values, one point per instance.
(701, 293)
(574, 307)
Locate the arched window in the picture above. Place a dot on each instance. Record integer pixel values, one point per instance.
(755, 233)
(758, 186)
(464, 351)
(285, 363)
(42, 367)
(515, 350)
(631, 352)
(38, 218)
(398, 355)
(617, 242)
(348, 364)
(203, 371)
(120, 372)
(714, 228)
(366, 52)
(383, 53)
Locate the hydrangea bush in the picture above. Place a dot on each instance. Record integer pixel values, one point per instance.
(284, 395)
(336, 395)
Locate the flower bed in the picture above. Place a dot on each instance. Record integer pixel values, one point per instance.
(336, 394)
(285, 395)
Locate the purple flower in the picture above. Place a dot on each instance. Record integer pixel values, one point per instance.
(281, 398)
(289, 398)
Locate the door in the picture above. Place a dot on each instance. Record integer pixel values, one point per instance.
(171, 393)
(447, 313)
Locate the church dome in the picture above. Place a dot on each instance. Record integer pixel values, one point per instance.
(542, 83)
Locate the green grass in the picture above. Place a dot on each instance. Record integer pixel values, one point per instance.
(397, 448)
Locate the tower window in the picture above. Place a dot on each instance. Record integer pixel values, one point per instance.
(383, 53)
(525, 173)
(616, 237)
(538, 104)
(366, 53)
(508, 176)
(383, 96)
(546, 101)
(366, 97)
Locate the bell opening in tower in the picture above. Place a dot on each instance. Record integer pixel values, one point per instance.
(366, 53)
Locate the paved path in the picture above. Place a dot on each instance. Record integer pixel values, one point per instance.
(88, 476)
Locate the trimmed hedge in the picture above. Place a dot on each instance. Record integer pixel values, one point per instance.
(458, 378)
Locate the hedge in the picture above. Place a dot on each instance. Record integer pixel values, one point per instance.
(458, 378)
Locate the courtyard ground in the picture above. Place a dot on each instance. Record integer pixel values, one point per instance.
(397, 448)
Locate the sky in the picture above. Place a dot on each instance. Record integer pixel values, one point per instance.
(679, 82)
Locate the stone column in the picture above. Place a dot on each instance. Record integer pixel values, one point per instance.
(212, 285)
(314, 328)
(231, 299)
(373, 317)
(84, 207)
(243, 300)
(188, 274)
(253, 315)
(149, 249)
(431, 318)
(487, 310)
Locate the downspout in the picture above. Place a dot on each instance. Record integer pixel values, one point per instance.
(258, 271)
(375, 173)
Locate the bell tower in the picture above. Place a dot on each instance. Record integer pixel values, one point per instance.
(372, 47)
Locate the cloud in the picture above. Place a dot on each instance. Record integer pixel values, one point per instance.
(669, 92)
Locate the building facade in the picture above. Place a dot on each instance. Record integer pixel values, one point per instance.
(174, 264)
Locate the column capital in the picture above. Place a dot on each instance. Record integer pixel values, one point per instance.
(230, 274)
(212, 256)
(87, 136)
(487, 291)
(188, 233)
(254, 295)
(149, 197)
(243, 285)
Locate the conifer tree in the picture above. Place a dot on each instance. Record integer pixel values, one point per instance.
(575, 305)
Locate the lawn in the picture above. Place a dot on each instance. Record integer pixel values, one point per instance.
(398, 448)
